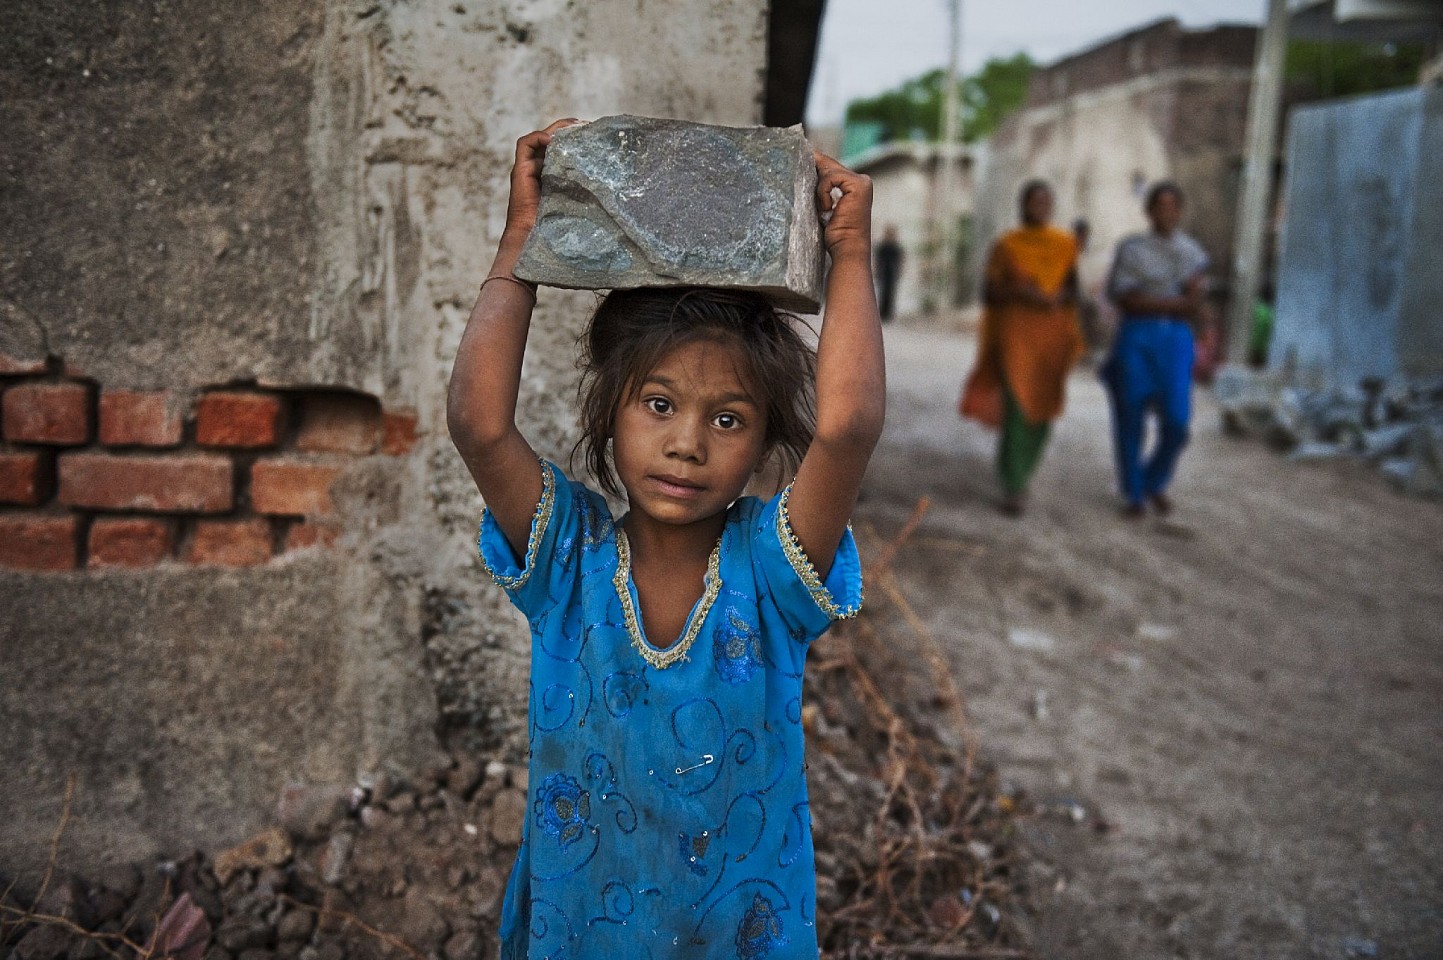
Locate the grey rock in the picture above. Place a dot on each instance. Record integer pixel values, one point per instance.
(508, 815)
(465, 945)
(1385, 441)
(295, 926)
(307, 810)
(239, 934)
(44, 943)
(641, 202)
(463, 779)
(338, 854)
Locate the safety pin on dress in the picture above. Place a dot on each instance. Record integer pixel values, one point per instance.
(706, 758)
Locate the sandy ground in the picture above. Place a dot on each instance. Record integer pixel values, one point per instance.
(1249, 696)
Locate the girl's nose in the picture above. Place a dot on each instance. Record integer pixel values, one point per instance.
(686, 440)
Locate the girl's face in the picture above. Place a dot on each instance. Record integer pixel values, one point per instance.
(690, 437)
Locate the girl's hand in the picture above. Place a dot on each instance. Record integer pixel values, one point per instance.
(850, 229)
(525, 199)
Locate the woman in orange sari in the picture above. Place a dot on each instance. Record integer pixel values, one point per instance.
(1028, 342)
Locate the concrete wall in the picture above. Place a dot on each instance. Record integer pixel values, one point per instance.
(905, 194)
(1358, 282)
(293, 201)
(1158, 103)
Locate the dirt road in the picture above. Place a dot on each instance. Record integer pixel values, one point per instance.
(1249, 697)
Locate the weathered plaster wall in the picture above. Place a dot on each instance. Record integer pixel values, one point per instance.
(197, 195)
(905, 196)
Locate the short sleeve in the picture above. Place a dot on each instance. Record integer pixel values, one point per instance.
(807, 603)
(527, 579)
(1127, 272)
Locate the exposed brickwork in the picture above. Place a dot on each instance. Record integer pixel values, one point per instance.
(51, 413)
(140, 419)
(230, 543)
(338, 423)
(398, 432)
(228, 418)
(293, 488)
(120, 469)
(129, 541)
(312, 533)
(181, 483)
(26, 478)
(16, 365)
(38, 542)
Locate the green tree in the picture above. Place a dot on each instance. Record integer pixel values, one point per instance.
(1321, 69)
(914, 109)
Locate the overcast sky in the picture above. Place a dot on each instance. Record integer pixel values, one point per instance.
(869, 46)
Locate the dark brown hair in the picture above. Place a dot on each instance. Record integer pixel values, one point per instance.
(633, 330)
(1158, 189)
(1025, 194)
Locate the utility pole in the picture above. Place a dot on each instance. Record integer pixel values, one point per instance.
(1254, 204)
(943, 222)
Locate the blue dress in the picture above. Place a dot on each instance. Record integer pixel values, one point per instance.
(667, 798)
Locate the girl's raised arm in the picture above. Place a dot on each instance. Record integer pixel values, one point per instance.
(481, 402)
(851, 373)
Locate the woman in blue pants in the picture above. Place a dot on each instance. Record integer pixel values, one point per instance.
(1158, 281)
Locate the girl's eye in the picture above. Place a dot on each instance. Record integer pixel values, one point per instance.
(727, 421)
(658, 405)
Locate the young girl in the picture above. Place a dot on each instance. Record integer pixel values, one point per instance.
(668, 804)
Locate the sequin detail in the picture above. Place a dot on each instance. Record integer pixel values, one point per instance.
(760, 930)
(802, 564)
(661, 659)
(533, 542)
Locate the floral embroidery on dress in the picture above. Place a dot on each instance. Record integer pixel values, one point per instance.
(736, 648)
(562, 809)
(760, 930)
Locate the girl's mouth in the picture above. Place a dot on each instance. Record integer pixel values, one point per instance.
(675, 486)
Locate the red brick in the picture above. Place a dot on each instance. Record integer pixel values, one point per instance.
(140, 419)
(189, 483)
(398, 432)
(25, 478)
(339, 423)
(230, 543)
(312, 533)
(234, 419)
(11, 365)
(33, 542)
(129, 541)
(292, 488)
(50, 413)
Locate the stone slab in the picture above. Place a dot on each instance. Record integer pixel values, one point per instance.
(642, 202)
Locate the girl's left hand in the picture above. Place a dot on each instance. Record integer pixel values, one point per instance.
(850, 229)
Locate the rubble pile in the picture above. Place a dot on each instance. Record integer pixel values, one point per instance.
(1396, 424)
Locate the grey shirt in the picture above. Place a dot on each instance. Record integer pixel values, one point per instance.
(1156, 266)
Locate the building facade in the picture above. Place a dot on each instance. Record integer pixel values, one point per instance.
(1160, 102)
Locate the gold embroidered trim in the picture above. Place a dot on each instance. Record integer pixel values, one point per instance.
(661, 659)
(539, 520)
(802, 564)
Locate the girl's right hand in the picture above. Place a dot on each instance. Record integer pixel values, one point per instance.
(521, 208)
